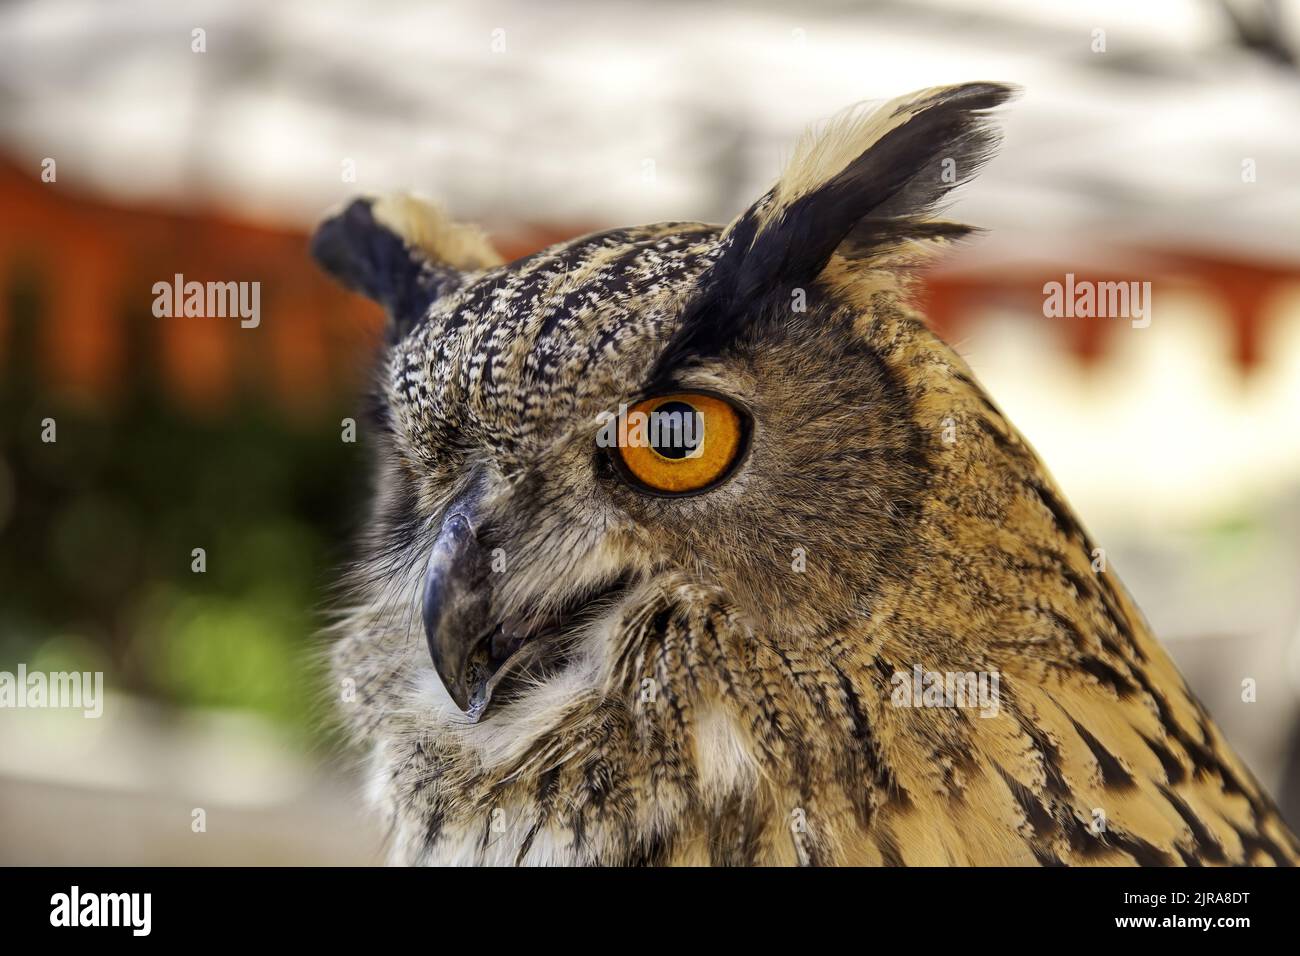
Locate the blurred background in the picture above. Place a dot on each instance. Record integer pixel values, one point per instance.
(1154, 141)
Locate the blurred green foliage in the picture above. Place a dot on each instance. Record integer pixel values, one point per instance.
(97, 531)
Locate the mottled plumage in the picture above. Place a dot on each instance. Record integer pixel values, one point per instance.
(729, 695)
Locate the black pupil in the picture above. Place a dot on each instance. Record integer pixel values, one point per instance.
(676, 430)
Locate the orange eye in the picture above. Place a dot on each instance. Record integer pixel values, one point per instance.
(678, 444)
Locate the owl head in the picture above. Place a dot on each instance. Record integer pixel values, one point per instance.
(647, 432)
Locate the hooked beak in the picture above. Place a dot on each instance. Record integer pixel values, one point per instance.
(457, 611)
(473, 650)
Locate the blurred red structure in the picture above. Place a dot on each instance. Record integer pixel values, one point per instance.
(95, 263)
(1246, 291)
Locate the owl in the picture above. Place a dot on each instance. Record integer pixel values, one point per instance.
(693, 544)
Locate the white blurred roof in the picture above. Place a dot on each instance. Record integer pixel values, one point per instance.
(594, 114)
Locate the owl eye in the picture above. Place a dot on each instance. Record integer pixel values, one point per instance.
(677, 444)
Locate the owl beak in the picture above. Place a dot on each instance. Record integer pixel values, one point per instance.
(457, 612)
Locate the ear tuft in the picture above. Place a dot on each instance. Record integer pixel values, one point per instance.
(865, 187)
(425, 226)
(401, 251)
(895, 152)
(870, 181)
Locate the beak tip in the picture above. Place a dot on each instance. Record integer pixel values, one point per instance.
(456, 604)
(459, 697)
